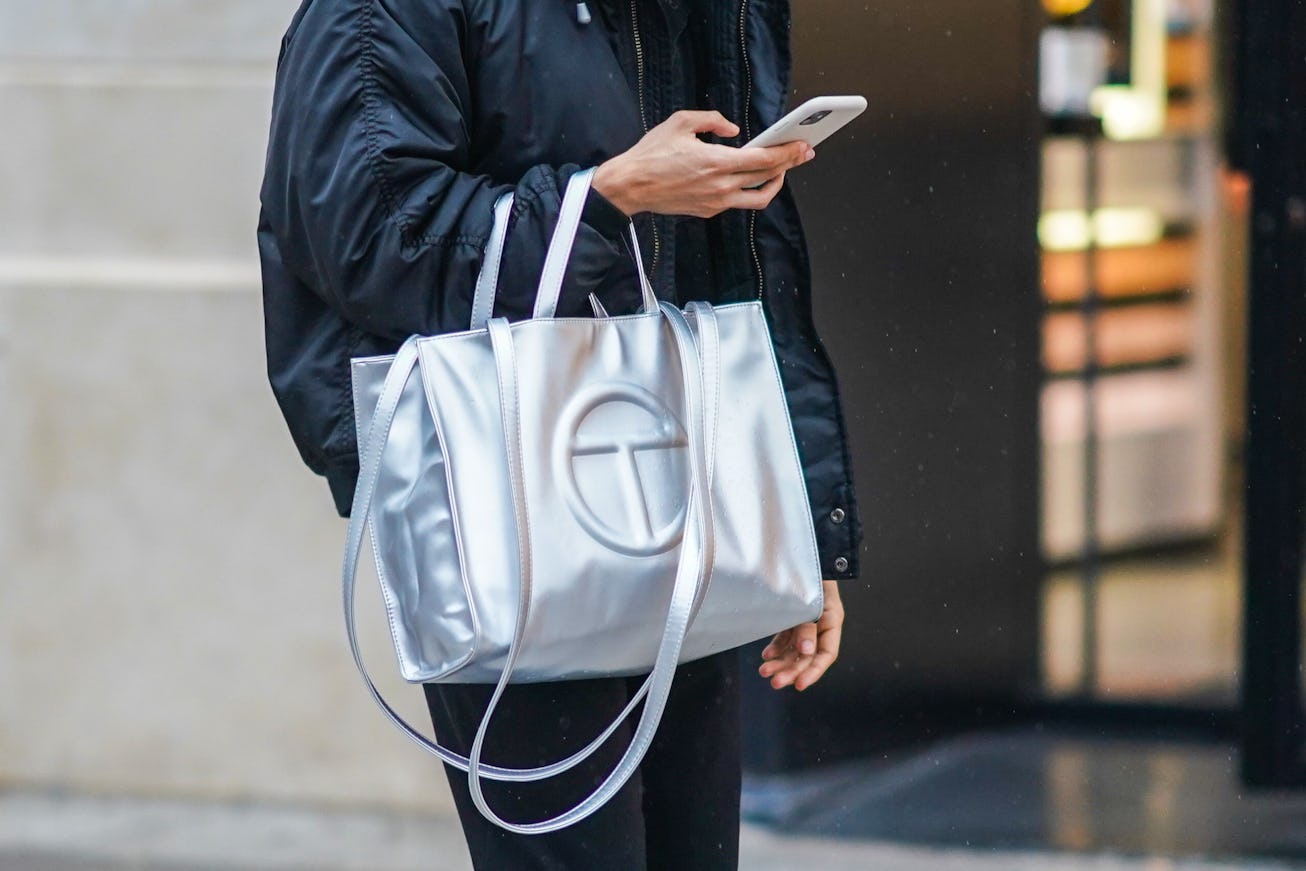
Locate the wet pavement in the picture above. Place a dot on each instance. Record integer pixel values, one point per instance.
(40, 832)
(1067, 789)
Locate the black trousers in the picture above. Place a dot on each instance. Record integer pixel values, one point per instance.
(679, 812)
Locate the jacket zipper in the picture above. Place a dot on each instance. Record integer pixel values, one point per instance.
(643, 116)
(748, 134)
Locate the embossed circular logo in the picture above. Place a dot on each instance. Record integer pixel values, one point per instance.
(619, 454)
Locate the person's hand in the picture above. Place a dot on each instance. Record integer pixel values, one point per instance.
(673, 172)
(800, 656)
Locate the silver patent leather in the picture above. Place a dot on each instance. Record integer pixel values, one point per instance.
(562, 498)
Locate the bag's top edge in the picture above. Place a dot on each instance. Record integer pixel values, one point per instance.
(462, 334)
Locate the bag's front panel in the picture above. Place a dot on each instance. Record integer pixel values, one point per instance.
(604, 453)
(606, 477)
(412, 533)
(603, 422)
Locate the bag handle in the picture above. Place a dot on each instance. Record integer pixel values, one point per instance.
(487, 281)
(564, 236)
(693, 376)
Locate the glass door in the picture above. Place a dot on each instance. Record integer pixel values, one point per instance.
(1142, 290)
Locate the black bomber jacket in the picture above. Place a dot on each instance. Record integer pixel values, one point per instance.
(396, 124)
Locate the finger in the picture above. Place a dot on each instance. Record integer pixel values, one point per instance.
(786, 659)
(791, 662)
(830, 637)
(805, 639)
(778, 644)
(826, 654)
(772, 667)
(791, 645)
(781, 674)
(784, 672)
(754, 180)
(755, 199)
(787, 676)
(750, 180)
(814, 671)
(771, 159)
(706, 122)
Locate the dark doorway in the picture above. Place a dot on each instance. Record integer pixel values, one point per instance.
(1270, 142)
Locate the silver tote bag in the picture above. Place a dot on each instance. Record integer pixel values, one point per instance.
(563, 498)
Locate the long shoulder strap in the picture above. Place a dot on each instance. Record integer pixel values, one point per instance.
(697, 554)
(693, 571)
(370, 454)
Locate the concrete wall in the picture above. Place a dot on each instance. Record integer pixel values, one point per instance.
(169, 605)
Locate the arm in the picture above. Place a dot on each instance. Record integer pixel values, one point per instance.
(365, 189)
(366, 192)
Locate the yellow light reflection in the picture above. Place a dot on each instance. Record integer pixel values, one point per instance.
(1066, 7)
(1071, 229)
(1137, 111)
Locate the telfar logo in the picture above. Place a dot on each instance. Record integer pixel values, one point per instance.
(620, 458)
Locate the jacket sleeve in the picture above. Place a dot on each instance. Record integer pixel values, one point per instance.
(370, 185)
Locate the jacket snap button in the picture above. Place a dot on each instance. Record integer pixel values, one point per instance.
(841, 564)
(838, 515)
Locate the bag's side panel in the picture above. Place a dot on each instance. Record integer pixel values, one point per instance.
(767, 575)
(411, 527)
(463, 400)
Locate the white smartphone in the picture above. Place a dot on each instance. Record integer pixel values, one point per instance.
(813, 122)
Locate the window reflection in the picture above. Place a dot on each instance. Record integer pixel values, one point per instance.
(1141, 430)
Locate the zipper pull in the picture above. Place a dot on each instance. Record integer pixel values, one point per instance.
(583, 13)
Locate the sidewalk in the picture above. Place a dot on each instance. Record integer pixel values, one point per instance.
(72, 833)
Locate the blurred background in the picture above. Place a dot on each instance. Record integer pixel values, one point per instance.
(1057, 262)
